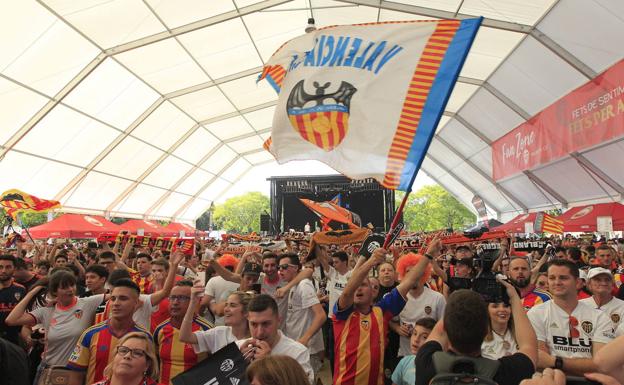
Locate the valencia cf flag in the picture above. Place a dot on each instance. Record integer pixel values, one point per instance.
(15, 201)
(225, 367)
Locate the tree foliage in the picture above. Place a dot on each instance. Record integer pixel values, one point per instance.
(433, 208)
(241, 214)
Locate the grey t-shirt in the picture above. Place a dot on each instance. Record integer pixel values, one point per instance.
(64, 326)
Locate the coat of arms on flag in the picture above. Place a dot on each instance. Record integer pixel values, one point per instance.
(366, 98)
(15, 201)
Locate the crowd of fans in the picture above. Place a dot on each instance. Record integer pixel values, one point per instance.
(119, 314)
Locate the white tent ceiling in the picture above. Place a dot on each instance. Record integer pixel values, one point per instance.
(150, 108)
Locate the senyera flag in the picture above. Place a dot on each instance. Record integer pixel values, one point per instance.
(16, 201)
(545, 223)
(366, 98)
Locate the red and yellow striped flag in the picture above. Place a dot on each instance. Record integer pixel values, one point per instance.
(15, 201)
(545, 223)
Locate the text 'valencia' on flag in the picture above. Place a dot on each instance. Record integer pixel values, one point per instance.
(366, 99)
(15, 201)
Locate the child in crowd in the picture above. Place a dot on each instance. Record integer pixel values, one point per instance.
(405, 372)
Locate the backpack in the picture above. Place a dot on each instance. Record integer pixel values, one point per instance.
(452, 369)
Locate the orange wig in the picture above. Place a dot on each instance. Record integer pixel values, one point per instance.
(408, 260)
(228, 260)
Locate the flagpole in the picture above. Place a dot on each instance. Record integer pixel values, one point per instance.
(397, 215)
(19, 221)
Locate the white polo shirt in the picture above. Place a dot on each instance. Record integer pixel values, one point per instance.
(552, 326)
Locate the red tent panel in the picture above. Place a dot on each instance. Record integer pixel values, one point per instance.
(173, 229)
(151, 229)
(74, 226)
(516, 225)
(584, 218)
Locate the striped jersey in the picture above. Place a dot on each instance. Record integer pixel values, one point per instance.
(95, 349)
(535, 297)
(175, 356)
(360, 340)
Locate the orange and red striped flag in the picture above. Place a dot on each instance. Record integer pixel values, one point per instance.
(16, 201)
(545, 223)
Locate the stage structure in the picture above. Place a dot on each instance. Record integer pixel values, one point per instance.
(367, 198)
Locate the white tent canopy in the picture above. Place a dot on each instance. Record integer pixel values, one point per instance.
(150, 108)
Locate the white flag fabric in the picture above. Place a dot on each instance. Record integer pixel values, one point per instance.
(365, 99)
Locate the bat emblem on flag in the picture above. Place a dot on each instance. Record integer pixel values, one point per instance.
(323, 118)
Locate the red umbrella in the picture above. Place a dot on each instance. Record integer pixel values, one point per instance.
(516, 225)
(174, 228)
(74, 226)
(585, 218)
(149, 228)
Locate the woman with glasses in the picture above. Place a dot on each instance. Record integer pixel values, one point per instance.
(235, 318)
(134, 362)
(64, 318)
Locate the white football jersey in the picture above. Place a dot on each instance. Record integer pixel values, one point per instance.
(614, 309)
(552, 326)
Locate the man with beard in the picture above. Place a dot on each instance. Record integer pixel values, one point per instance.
(10, 294)
(175, 356)
(520, 277)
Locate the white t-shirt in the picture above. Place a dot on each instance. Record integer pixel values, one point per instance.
(219, 289)
(143, 315)
(289, 347)
(428, 304)
(212, 340)
(270, 289)
(499, 346)
(300, 315)
(552, 326)
(64, 326)
(620, 330)
(336, 283)
(614, 309)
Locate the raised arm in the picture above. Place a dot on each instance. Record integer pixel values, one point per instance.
(416, 272)
(186, 328)
(18, 316)
(174, 262)
(357, 277)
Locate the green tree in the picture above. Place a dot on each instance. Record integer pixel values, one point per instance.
(241, 214)
(433, 208)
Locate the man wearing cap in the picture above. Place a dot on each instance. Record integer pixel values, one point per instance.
(600, 283)
(305, 315)
(462, 270)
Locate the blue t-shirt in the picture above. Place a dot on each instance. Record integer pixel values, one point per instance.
(405, 372)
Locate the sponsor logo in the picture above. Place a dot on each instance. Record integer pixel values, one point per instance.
(93, 221)
(212, 381)
(554, 326)
(234, 380)
(583, 212)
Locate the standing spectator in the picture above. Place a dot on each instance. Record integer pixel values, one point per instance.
(134, 362)
(405, 372)
(64, 322)
(500, 340)
(520, 277)
(600, 284)
(305, 315)
(176, 356)
(95, 280)
(360, 327)
(267, 339)
(11, 294)
(569, 332)
(97, 345)
(144, 277)
(23, 275)
(218, 289)
(421, 302)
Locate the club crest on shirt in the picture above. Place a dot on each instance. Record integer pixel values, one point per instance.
(615, 318)
(365, 324)
(75, 353)
(587, 326)
(17, 295)
(427, 310)
(78, 314)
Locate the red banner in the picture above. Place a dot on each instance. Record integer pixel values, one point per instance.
(590, 115)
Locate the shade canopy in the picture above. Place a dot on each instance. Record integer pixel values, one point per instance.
(585, 218)
(149, 228)
(74, 226)
(517, 224)
(174, 229)
(150, 109)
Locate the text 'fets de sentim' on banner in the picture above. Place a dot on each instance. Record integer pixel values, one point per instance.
(366, 99)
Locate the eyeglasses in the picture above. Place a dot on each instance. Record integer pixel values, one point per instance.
(179, 298)
(285, 266)
(134, 353)
(574, 333)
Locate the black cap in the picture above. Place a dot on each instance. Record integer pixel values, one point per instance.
(252, 269)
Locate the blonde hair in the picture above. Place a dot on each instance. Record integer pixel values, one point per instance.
(277, 370)
(150, 355)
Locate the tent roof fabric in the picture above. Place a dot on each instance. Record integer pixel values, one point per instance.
(585, 218)
(516, 225)
(149, 228)
(149, 109)
(74, 226)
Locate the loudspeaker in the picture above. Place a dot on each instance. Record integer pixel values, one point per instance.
(265, 222)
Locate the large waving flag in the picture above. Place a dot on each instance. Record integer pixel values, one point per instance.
(545, 223)
(366, 99)
(332, 211)
(16, 201)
